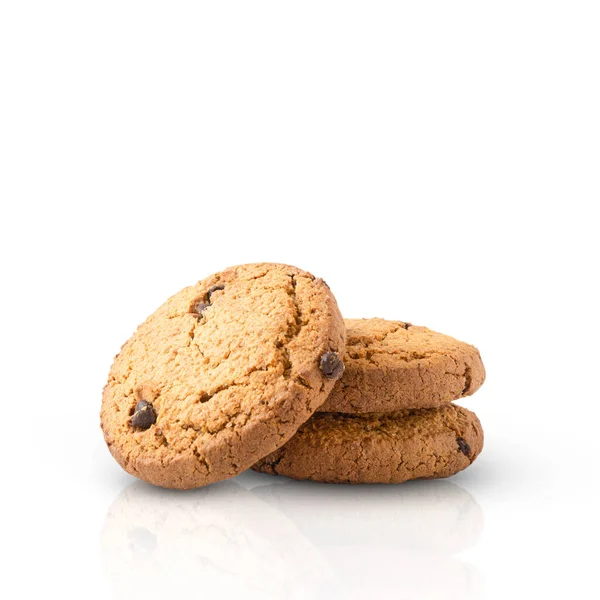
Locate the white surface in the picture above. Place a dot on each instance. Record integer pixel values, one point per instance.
(435, 162)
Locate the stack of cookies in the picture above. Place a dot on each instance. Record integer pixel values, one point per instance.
(255, 367)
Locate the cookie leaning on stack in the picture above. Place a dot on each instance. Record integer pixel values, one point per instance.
(222, 374)
(390, 416)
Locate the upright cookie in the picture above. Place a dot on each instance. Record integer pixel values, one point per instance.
(393, 366)
(379, 448)
(222, 374)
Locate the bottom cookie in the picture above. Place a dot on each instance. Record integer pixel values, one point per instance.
(379, 448)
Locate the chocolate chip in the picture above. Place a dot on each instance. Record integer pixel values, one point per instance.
(214, 288)
(463, 446)
(144, 415)
(201, 307)
(332, 366)
(407, 325)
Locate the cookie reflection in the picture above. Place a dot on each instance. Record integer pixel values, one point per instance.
(388, 539)
(291, 539)
(220, 540)
(436, 517)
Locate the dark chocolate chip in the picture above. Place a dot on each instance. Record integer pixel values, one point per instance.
(144, 415)
(407, 325)
(463, 446)
(332, 366)
(214, 288)
(201, 307)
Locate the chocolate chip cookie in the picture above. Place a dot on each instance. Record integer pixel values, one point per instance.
(391, 365)
(379, 448)
(222, 374)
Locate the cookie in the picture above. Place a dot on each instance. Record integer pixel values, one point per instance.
(379, 448)
(391, 366)
(222, 374)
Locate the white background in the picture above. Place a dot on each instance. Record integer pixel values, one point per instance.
(436, 162)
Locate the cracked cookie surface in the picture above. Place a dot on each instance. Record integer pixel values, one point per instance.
(379, 448)
(391, 365)
(221, 374)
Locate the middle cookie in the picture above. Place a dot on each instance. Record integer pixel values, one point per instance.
(391, 366)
